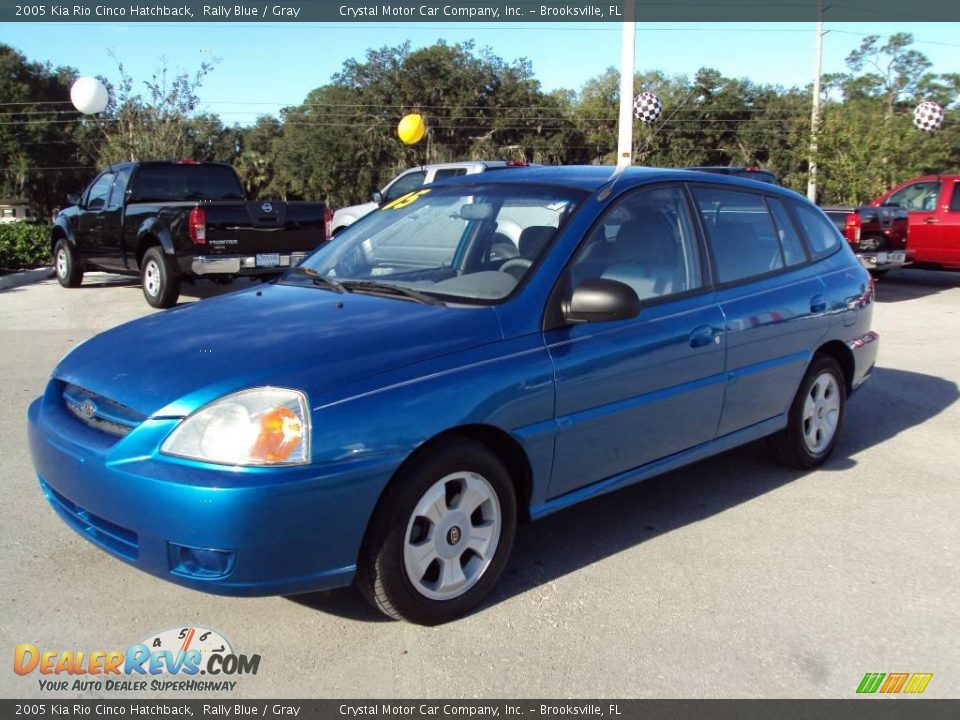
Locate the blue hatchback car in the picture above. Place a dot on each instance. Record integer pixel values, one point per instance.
(479, 352)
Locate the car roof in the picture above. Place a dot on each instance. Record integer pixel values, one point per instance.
(592, 177)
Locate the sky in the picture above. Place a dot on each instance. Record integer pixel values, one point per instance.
(261, 68)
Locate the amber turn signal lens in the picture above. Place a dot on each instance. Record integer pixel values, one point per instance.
(280, 433)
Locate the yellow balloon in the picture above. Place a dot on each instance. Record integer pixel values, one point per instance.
(411, 128)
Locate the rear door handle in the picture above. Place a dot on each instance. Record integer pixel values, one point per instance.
(703, 335)
(931, 221)
(818, 304)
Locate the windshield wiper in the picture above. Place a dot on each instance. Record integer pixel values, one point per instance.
(319, 279)
(377, 288)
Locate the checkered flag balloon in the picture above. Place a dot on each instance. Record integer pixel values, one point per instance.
(647, 107)
(928, 116)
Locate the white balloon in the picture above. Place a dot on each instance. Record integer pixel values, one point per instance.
(89, 95)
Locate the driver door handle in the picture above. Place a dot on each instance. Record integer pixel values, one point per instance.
(703, 335)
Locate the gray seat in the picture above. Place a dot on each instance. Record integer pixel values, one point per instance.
(646, 256)
(531, 244)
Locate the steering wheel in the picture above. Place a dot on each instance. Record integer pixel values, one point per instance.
(516, 267)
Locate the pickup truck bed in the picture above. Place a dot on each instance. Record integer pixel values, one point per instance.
(170, 222)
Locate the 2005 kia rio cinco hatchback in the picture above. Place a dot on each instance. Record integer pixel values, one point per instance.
(472, 354)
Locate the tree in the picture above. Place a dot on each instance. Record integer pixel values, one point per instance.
(40, 137)
(160, 125)
(341, 142)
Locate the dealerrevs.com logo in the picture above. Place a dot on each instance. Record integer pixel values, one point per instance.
(188, 659)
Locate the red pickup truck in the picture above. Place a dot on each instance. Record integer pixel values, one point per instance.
(933, 207)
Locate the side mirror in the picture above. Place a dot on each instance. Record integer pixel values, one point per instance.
(73, 199)
(601, 300)
(377, 197)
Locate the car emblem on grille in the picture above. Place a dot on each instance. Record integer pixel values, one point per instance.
(267, 208)
(87, 409)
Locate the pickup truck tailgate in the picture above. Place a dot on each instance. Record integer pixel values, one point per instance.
(248, 228)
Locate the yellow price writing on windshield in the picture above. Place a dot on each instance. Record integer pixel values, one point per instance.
(404, 200)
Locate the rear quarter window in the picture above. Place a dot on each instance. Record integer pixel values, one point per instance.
(823, 237)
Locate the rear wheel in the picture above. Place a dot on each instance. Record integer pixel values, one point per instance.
(160, 278)
(440, 537)
(816, 416)
(69, 270)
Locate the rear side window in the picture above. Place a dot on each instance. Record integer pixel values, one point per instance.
(793, 253)
(119, 188)
(449, 173)
(169, 183)
(741, 233)
(406, 184)
(955, 199)
(822, 235)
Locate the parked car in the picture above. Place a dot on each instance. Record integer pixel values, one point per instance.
(387, 411)
(749, 172)
(174, 221)
(877, 235)
(414, 179)
(932, 206)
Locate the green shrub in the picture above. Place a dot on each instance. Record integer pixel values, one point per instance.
(24, 245)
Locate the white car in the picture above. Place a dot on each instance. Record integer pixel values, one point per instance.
(414, 179)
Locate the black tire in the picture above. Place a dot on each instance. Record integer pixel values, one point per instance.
(159, 278)
(791, 445)
(382, 576)
(879, 273)
(68, 267)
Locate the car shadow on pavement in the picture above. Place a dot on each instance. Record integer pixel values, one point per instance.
(901, 285)
(892, 402)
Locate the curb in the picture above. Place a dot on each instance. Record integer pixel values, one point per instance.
(26, 277)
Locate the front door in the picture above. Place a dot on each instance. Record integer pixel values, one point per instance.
(93, 220)
(633, 391)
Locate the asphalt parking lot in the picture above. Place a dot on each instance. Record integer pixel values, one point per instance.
(730, 578)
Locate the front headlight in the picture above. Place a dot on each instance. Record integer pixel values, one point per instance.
(262, 426)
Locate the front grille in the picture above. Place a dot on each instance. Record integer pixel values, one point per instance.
(102, 532)
(99, 412)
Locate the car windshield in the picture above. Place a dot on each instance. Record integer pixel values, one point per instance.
(461, 243)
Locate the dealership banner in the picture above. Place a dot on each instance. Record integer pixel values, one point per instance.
(456, 709)
(494, 11)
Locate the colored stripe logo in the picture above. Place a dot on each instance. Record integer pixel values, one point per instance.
(894, 683)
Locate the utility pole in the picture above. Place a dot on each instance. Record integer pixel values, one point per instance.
(815, 113)
(627, 49)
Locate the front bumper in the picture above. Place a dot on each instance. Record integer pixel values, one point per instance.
(285, 530)
(243, 264)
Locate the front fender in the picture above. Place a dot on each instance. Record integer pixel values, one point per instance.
(62, 229)
(505, 385)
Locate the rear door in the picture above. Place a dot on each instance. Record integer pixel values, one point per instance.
(771, 296)
(630, 392)
(944, 238)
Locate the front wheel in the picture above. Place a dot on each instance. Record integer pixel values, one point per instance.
(69, 270)
(440, 536)
(159, 278)
(816, 416)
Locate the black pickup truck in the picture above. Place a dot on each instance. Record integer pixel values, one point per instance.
(174, 221)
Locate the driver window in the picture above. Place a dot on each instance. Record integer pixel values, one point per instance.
(645, 240)
(99, 192)
(921, 196)
(405, 184)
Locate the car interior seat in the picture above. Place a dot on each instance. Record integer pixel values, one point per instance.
(532, 242)
(646, 256)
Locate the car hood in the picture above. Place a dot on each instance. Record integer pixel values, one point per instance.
(311, 339)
